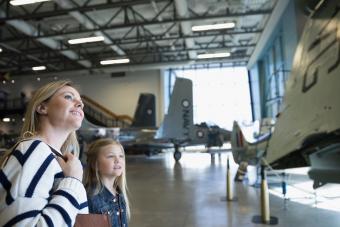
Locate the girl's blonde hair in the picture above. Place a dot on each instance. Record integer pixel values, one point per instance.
(93, 182)
(31, 123)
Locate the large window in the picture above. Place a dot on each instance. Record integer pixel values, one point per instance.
(221, 95)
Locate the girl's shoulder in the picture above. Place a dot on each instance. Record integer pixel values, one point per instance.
(98, 196)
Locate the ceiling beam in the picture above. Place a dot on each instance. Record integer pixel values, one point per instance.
(145, 65)
(85, 8)
(36, 51)
(89, 23)
(131, 40)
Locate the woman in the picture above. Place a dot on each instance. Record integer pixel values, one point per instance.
(106, 181)
(40, 179)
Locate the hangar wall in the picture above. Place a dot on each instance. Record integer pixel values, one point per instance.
(271, 70)
(119, 94)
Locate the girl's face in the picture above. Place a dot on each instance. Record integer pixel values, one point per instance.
(64, 109)
(111, 161)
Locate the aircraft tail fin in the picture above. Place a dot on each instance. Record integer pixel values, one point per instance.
(145, 115)
(244, 151)
(238, 143)
(178, 122)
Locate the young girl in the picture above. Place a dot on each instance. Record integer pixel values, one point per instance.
(40, 180)
(105, 181)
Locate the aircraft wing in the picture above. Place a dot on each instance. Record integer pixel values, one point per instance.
(310, 113)
(325, 166)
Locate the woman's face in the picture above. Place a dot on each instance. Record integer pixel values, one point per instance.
(111, 161)
(64, 110)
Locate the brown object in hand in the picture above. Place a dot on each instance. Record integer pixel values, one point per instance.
(92, 220)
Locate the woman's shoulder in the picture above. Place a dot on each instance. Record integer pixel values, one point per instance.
(30, 145)
(24, 143)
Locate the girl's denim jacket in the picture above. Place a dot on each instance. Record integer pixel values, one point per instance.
(106, 203)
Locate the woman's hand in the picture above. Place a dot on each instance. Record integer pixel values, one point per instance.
(71, 167)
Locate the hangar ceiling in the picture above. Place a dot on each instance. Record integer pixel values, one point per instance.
(149, 33)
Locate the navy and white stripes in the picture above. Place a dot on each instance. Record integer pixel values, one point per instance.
(6, 184)
(34, 191)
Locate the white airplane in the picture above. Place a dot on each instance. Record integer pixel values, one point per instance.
(307, 130)
(250, 152)
(177, 130)
(178, 124)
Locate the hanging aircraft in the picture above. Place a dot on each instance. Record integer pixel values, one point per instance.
(177, 130)
(307, 130)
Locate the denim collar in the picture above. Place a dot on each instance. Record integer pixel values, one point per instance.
(107, 195)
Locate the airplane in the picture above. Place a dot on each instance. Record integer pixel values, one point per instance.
(307, 129)
(177, 130)
(178, 124)
(142, 128)
(249, 153)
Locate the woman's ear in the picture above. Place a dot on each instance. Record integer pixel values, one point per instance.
(41, 109)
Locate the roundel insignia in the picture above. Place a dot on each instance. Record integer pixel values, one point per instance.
(200, 134)
(185, 103)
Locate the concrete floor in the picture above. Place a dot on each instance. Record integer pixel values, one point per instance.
(190, 194)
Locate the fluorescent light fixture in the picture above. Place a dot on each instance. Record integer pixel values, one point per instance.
(6, 119)
(86, 40)
(199, 28)
(25, 2)
(115, 61)
(39, 68)
(215, 55)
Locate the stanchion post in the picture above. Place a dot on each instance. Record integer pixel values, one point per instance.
(229, 189)
(265, 212)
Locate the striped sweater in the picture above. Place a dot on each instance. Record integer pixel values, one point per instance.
(34, 191)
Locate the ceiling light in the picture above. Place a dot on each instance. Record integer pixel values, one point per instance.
(215, 55)
(25, 2)
(0, 50)
(86, 40)
(6, 119)
(39, 68)
(199, 28)
(115, 61)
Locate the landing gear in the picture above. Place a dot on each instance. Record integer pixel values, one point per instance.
(177, 154)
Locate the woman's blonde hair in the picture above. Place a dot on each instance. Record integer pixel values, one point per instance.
(31, 123)
(93, 182)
